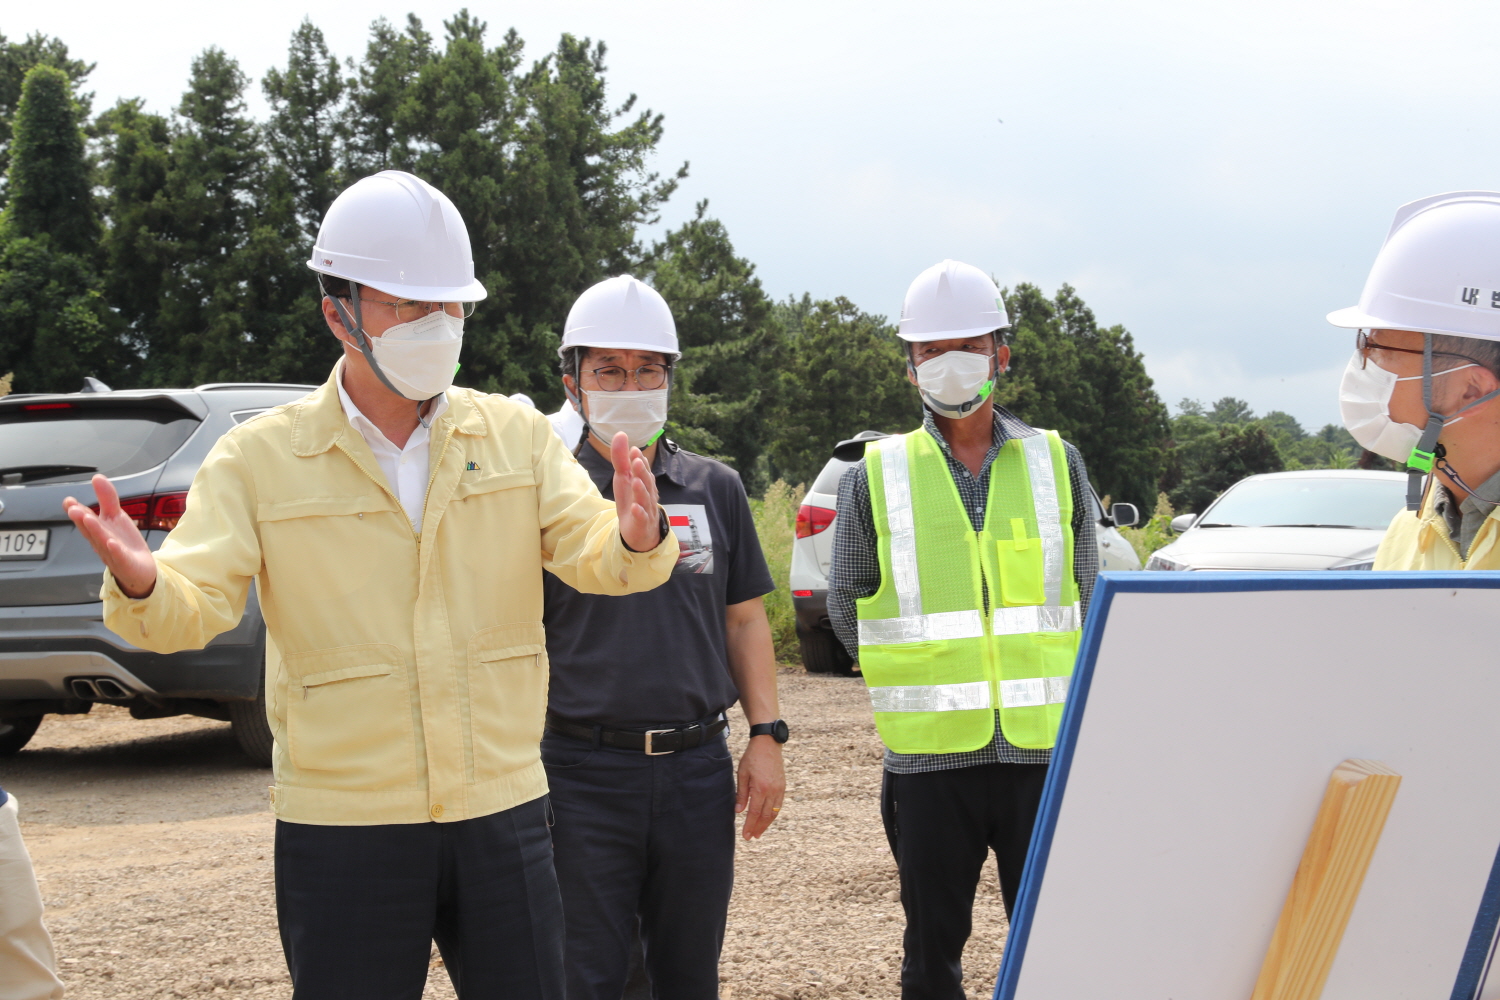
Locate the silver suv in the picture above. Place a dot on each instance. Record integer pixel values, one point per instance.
(55, 653)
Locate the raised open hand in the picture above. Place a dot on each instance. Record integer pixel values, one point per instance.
(116, 539)
(635, 496)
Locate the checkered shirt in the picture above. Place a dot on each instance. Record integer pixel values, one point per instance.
(855, 570)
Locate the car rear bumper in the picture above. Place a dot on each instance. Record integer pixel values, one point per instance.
(43, 648)
(812, 612)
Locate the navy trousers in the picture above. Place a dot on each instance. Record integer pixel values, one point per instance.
(644, 845)
(360, 906)
(941, 825)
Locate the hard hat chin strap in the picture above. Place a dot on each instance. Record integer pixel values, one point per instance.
(356, 327)
(1428, 452)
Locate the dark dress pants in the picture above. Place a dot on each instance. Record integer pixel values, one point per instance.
(941, 825)
(644, 845)
(360, 906)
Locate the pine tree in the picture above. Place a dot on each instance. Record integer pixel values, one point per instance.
(728, 383)
(55, 326)
(203, 327)
(16, 60)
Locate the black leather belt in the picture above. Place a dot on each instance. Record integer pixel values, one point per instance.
(653, 742)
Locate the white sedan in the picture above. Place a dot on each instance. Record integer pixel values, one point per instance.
(1321, 519)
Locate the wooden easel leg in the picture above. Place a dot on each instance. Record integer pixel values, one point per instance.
(1328, 880)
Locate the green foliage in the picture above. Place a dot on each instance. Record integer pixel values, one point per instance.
(55, 321)
(728, 382)
(16, 60)
(1155, 533)
(1090, 385)
(1214, 447)
(775, 521)
(844, 372)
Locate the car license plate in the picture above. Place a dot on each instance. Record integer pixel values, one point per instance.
(26, 543)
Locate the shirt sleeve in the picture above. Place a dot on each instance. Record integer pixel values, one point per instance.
(581, 543)
(1085, 538)
(205, 566)
(854, 571)
(749, 576)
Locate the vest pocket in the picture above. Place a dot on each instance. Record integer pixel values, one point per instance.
(1021, 572)
(507, 680)
(348, 718)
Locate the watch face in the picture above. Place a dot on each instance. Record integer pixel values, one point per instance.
(779, 732)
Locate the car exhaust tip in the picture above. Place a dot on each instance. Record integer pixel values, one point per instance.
(84, 689)
(99, 689)
(112, 690)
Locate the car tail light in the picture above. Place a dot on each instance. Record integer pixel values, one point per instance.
(47, 406)
(811, 520)
(801, 593)
(166, 510)
(159, 513)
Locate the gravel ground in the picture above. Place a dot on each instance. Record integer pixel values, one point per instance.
(152, 844)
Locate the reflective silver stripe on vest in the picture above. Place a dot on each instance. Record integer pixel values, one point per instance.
(922, 628)
(1048, 515)
(1034, 692)
(1031, 618)
(896, 478)
(931, 697)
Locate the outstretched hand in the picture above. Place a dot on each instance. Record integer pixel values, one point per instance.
(635, 496)
(115, 539)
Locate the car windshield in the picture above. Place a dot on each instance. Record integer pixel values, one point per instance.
(1309, 502)
(69, 445)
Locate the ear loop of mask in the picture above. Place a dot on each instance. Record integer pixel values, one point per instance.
(356, 328)
(1428, 453)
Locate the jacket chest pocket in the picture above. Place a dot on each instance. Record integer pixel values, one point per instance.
(507, 682)
(348, 717)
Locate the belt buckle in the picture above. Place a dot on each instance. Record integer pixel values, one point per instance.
(657, 732)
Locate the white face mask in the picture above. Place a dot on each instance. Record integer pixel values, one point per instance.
(420, 358)
(1365, 405)
(955, 383)
(641, 415)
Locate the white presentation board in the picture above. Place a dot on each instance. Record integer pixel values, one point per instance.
(1206, 715)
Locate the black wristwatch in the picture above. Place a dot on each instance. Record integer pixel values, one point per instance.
(776, 730)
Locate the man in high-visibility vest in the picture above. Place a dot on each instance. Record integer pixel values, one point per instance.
(1423, 386)
(957, 585)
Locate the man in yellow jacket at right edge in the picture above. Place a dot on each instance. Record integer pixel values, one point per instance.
(1423, 386)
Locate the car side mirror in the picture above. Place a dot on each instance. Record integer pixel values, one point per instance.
(1125, 515)
(1183, 522)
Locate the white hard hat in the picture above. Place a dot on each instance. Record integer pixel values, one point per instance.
(1438, 272)
(622, 313)
(395, 232)
(948, 300)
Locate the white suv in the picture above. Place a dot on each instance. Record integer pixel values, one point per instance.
(812, 551)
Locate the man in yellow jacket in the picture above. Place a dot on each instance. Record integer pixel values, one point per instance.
(396, 528)
(1423, 386)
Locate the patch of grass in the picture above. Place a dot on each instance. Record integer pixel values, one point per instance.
(775, 521)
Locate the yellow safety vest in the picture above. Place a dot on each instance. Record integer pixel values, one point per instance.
(936, 665)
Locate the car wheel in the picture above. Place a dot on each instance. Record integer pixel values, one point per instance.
(822, 653)
(251, 728)
(15, 733)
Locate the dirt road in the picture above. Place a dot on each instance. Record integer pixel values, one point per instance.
(152, 843)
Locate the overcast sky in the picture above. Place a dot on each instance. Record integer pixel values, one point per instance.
(1216, 177)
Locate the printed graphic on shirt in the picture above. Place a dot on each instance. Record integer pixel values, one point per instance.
(689, 523)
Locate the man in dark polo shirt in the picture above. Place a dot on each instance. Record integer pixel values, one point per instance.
(642, 785)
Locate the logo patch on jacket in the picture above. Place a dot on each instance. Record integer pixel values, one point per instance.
(689, 522)
(472, 467)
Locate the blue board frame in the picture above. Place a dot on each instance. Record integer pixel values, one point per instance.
(1482, 939)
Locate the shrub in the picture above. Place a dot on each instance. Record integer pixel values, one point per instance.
(1155, 533)
(775, 521)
